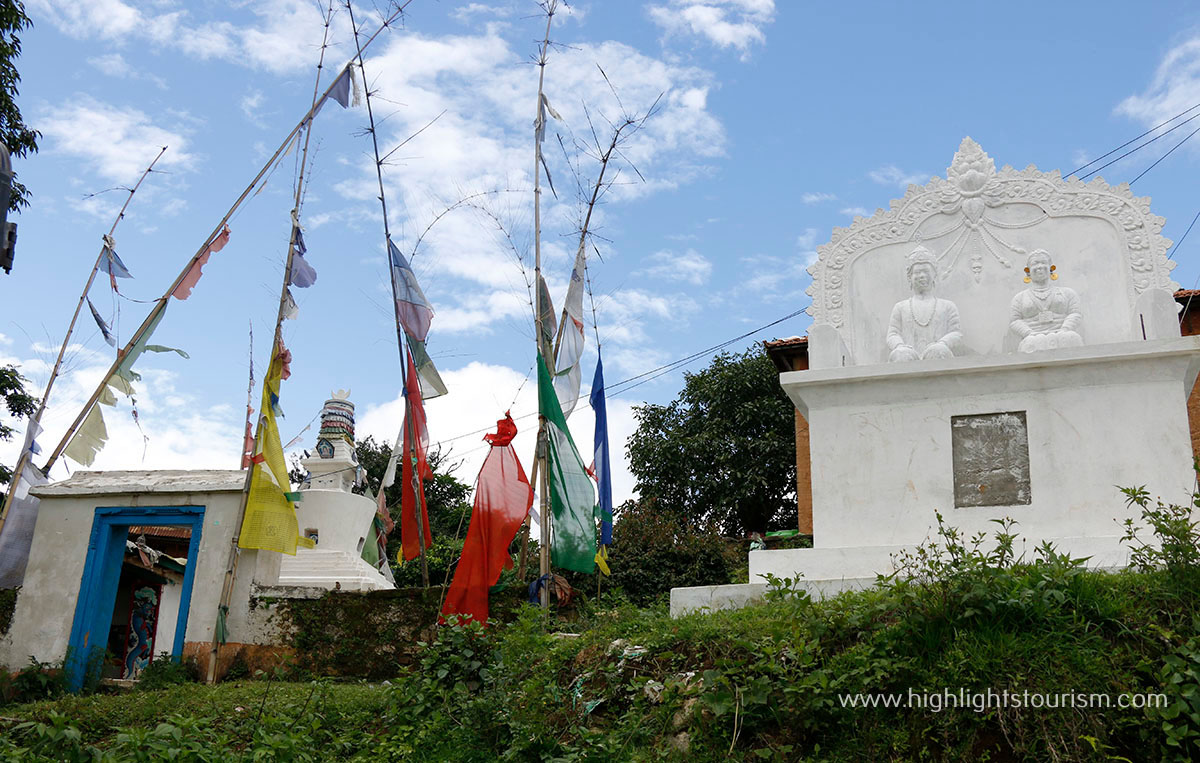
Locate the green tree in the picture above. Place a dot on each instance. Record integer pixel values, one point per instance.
(19, 138)
(446, 500)
(723, 451)
(19, 403)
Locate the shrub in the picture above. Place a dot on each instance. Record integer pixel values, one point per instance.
(654, 551)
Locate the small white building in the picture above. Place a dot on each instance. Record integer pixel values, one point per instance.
(92, 589)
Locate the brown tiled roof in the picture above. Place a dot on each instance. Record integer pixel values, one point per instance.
(791, 341)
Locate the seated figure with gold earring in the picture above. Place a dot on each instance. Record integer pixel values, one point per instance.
(1045, 317)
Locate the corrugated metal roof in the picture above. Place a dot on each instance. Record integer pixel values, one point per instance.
(156, 531)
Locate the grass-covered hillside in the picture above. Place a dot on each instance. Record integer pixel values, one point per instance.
(769, 682)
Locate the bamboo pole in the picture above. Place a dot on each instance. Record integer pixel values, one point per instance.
(410, 436)
(161, 302)
(539, 132)
(234, 550)
(36, 419)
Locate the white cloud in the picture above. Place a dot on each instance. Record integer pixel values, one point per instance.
(1175, 88)
(892, 175)
(279, 36)
(182, 434)
(117, 143)
(482, 392)
(724, 23)
(856, 211)
(470, 11)
(817, 197)
(251, 104)
(690, 267)
(808, 239)
(115, 65)
(479, 149)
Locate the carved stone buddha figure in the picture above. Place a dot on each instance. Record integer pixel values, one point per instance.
(1045, 317)
(923, 326)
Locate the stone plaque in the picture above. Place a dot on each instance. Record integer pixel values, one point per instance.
(991, 459)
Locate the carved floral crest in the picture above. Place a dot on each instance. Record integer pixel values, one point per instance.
(959, 214)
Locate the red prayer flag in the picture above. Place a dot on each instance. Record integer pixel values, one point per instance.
(503, 497)
(415, 439)
(184, 289)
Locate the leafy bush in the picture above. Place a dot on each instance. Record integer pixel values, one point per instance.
(164, 671)
(654, 551)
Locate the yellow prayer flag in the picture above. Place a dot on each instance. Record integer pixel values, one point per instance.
(270, 521)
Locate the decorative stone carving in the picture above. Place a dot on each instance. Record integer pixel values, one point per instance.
(982, 222)
(923, 326)
(1045, 317)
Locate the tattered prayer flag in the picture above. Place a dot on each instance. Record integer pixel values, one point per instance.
(572, 499)
(184, 289)
(164, 348)
(602, 464)
(546, 310)
(125, 368)
(291, 311)
(412, 309)
(415, 440)
(431, 381)
(303, 274)
(110, 263)
(503, 497)
(88, 439)
(104, 329)
(567, 375)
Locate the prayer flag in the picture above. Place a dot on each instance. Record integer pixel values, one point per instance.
(570, 344)
(415, 439)
(602, 466)
(546, 311)
(572, 500)
(110, 263)
(108, 337)
(340, 91)
(184, 289)
(270, 521)
(88, 439)
(125, 367)
(291, 311)
(412, 309)
(503, 497)
(303, 275)
(431, 381)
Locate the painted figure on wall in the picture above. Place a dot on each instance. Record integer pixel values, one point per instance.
(143, 622)
(923, 326)
(1045, 317)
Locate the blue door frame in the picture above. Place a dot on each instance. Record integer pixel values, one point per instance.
(102, 571)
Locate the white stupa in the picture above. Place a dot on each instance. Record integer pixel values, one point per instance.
(330, 514)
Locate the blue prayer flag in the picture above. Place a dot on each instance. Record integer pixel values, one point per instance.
(602, 469)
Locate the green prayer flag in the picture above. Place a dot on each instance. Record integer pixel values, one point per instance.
(572, 498)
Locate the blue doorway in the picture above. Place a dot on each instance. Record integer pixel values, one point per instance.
(101, 573)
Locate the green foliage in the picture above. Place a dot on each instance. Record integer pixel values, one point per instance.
(446, 500)
(12, 385)
(766, 682)
(20, 139)
(654, 551)
(8, 605)
(723, 452)
(36, 681)
(163, 671)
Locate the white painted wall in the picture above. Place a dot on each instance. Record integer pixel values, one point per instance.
(1098, 417)
(46, 605)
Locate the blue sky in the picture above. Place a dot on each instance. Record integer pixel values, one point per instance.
(778, 123)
